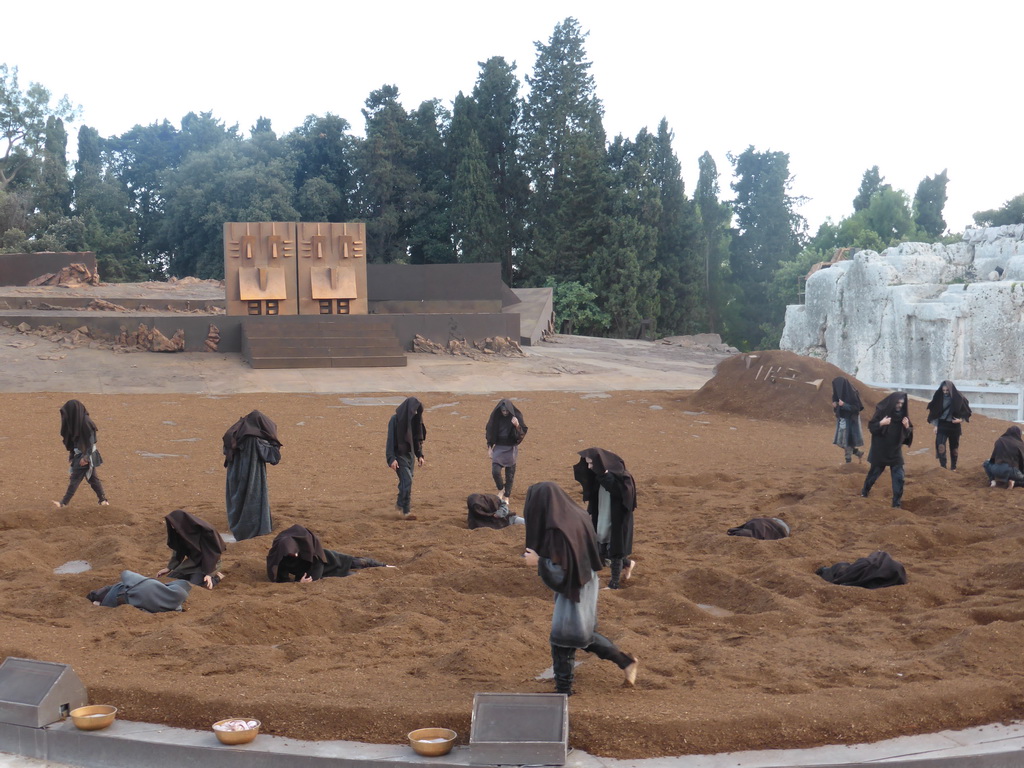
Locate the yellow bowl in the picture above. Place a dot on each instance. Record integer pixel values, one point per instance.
(94, 717)
(236, 737)
(432, 742)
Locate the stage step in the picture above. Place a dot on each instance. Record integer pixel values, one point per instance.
(340, 341)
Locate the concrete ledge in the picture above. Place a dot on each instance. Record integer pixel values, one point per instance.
(127, 743)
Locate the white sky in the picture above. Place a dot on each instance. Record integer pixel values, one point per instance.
(911, 86)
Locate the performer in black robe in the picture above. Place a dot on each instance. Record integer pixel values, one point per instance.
(78, 431)
(249, 445)
(890, 429)
(505, 430)
(947, 411)
(298, 555)
(846, 405)
(561, 544)
(766, 528)
(142, 592)
(1007, 460)
(485, 510)
(195, 547)
(610, 493)
(404, 450)
(872, 572)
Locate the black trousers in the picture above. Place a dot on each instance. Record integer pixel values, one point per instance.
(898, 480)
(406, 468)
(941, 436)
(510, 476)
(563, 660)
(78, 473)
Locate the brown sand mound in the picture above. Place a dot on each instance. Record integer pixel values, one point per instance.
(741, 645)
(777, 385)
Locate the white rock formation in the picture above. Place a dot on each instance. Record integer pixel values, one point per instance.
(918, 313)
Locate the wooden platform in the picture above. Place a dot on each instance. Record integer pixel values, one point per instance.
(310, 341)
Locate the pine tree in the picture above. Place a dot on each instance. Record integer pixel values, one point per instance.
(769, 231)
(565, 160)
(715, 239)
(928, 204)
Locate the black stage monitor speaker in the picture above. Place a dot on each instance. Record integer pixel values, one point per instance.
(37, 693)
(519, 729)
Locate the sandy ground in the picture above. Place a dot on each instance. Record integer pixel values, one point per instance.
(741, 645)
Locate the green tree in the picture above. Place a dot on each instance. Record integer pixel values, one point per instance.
(389, 190)
(565, 160)
(929, 201)
(769, 231)
(623, 268)
(233, 181)
(575, 305)
(477, 221)
(680, 253)
(323, 154)
(869, 185)
(1011, 212)
(53, 191)
(104, 215)
(430, 231)
(23, 118)
(715, 219)
(497, 120)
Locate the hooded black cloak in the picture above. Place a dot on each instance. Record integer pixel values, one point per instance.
(767, 528)
(482, 512)
(406, 431)
(559, 530)
(843, 390)
(78, 431)
(887, 442)
(499, 430)
(249, 445)
(195, 545)
(1009, 449)
(872, 572)
(610, 473)
(960, 407)
(297, 552)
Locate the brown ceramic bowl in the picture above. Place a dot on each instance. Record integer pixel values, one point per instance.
(432, 742)
(236, 737)
(93, 717)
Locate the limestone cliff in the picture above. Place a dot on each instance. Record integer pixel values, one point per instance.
(919, 313)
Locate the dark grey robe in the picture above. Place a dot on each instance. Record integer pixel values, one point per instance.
(247, 495)
(147, 594)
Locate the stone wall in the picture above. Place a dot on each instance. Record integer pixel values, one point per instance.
(919, 313)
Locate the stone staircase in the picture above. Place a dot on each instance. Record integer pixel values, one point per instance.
(310, 341)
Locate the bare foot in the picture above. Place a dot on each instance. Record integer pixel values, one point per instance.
(630, 671)
(410, 516)
(58, 505)
(990, 485)
(628, 570)
(104, 503)
(1009, 485)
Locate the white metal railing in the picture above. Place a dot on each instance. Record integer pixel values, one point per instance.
(1016, 408)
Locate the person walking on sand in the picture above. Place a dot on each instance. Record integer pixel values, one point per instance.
(505, 430)
(947, 411)
(562, 546)
(78, 431)
(846, 405)
(890, 429)
(404, 450)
